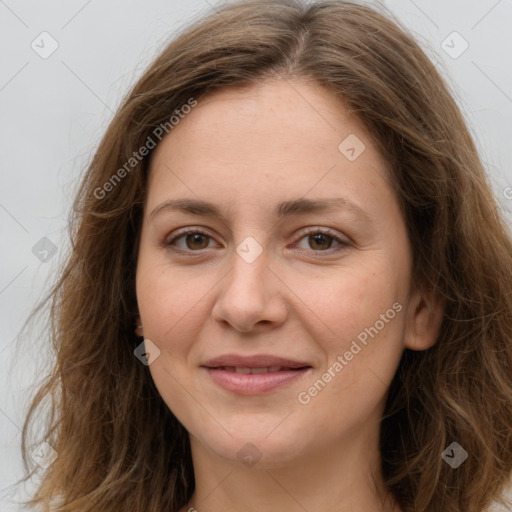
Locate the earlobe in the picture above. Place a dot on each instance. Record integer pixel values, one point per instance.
(425, 315)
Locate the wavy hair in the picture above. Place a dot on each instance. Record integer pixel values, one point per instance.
(119, 446)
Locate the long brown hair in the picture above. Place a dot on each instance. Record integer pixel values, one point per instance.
(119, 446)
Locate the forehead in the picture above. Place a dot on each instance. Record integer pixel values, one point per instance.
(284, 115)
(277, 139)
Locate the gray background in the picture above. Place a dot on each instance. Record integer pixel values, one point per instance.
(54, 111)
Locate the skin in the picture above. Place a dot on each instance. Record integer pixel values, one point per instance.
(246, 150)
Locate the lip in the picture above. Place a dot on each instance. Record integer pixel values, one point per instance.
(220, 369)
(255, 361)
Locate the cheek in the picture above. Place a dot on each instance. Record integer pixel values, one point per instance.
(343, 307)
(170, 303)
(364, 313)
(173, 305)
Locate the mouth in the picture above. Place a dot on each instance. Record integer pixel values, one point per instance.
(264, 369)
(255, 374)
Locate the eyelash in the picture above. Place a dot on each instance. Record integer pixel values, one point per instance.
(312, 231)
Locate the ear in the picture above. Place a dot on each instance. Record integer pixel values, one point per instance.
(138, 327)
(425, 315)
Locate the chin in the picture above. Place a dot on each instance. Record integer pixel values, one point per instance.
(263, 450)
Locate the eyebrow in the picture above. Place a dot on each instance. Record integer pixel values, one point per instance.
(284, 209)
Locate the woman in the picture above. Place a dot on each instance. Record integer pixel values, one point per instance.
(339, 337)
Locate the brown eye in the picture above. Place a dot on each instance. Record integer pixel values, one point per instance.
(190, 241)
(196, 241)
(317, 241)
(320, 241)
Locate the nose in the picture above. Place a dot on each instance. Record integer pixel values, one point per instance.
(250, 296)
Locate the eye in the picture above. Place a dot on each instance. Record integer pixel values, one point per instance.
(321, 240)
(193, 240)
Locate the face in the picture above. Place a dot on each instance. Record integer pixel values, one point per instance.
(274, 273)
